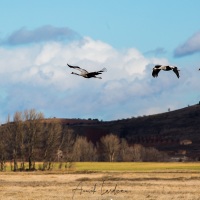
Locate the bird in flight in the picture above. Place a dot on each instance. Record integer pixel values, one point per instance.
(157, 69)
(84, 73)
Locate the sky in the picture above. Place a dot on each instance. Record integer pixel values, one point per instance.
(128, 37)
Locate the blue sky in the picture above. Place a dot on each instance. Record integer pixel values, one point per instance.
(128, 37)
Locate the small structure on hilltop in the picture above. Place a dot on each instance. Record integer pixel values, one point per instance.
(185, 142)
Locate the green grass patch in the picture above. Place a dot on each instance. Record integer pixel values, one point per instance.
(135, 166)
(87, 167)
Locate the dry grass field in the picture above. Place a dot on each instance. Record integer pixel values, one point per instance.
(165, 184)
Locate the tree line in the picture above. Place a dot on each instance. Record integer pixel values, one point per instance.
(28, 138)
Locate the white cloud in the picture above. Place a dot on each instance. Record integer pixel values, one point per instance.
(191, 46)
(36, 76)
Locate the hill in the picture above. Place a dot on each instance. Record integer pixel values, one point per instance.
(175, 132)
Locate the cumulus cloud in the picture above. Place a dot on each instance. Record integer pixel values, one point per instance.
(36, 76)
(191, 46)
(42, 34)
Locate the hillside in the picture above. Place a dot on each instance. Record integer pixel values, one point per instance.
(175, 132)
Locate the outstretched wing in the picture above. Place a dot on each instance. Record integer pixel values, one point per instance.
(155, 72)
(175, 70)
(103, 70)
(78, 68)
(97, 72)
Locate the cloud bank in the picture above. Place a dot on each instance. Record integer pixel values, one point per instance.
(191, 46)
(42, 34)
(36, 76)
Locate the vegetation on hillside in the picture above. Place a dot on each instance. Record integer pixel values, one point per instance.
(28, 138)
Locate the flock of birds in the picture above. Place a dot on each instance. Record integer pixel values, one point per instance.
(156, 69)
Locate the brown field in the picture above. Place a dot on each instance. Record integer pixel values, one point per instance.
(100, 186)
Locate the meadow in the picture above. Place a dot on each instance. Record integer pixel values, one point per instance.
(136, 166)
(79, 167)
(105, 181)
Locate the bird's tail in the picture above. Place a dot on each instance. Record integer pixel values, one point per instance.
(103, 70)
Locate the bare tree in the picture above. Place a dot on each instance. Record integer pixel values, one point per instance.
(153, 155)
(19, 131)
(67, 141)
(21, 135)
(50, 142)
(110, 146)
(84, 150)
(2, 150)
(126, 151)
(33, 127)
(11, 131)
(138, 152)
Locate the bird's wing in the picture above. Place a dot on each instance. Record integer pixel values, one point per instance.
(175, 70)
(103, 70)
(97, 72)
(155, 72)
(157, 66)
(78, 68)
(92, 74)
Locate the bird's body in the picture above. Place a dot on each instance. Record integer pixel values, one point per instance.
(84, 73)
(157, 69)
